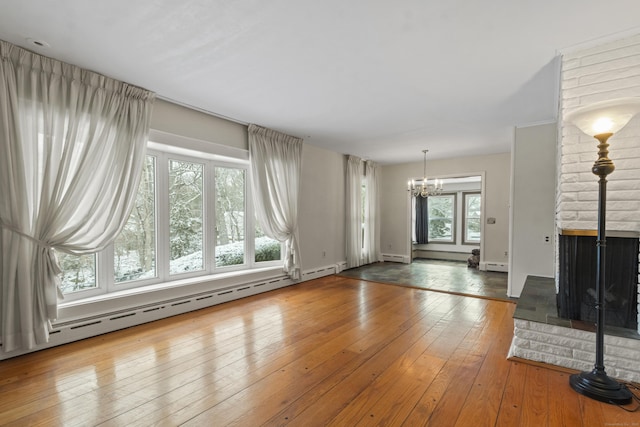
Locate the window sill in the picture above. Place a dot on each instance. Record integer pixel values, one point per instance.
(121, 300)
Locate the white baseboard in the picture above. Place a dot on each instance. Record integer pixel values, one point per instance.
(396, 258)
(494, 266)
(341, 266)
(441, 255)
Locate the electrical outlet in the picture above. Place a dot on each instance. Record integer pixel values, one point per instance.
(324, 254)
(547, 240)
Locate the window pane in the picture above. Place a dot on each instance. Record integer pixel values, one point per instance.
(441, 216)
(472, 218)
(473, 230)
(135, 247)
(230, 206)
(267, 249)
(185, 216)
(78, 272)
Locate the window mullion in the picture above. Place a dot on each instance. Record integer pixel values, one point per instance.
(209, 218)
(105, 266)
(248, 262)
(250, 221)
(162, 212)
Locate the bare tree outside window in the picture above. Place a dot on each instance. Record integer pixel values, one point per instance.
(186, 216)
(230, 216)
(135, 247)
(441, 218)
(78, 272)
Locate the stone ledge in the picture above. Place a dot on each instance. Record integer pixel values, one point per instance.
(540, 336)
(619, 364)
(537, 303)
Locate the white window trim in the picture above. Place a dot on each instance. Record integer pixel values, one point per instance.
(465, 241)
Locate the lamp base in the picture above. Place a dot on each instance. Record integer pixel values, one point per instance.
(599, 386)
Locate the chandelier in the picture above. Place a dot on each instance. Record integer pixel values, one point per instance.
(422, 187)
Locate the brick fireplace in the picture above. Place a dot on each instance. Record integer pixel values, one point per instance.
(607, 71)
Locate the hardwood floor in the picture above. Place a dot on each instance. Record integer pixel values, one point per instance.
(334, 351)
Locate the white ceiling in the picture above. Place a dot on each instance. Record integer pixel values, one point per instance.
(380, 79)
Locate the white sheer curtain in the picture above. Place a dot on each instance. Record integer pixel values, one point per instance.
(353, 207)
(371, 245)
(363, 213)
(72, 145)
(276, 162)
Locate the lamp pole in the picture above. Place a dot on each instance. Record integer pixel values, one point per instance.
(601, 120)
(596, 384)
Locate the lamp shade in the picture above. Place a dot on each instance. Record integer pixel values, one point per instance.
(604, 117)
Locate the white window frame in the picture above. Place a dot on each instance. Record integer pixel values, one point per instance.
(465, 218)
(249, 249)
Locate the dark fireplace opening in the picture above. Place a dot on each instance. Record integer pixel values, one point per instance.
(577, 279)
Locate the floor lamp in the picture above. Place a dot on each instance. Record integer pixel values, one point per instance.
(601, 120)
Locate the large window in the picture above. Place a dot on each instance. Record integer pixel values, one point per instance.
(442, 213)
(191, 217)
(471, 220)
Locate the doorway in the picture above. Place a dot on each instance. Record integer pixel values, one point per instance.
(452, 225)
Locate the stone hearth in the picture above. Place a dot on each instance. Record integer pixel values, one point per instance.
(540, 335)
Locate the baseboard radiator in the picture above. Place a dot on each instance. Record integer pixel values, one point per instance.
(494, 266)
(90, 326)
(396, 258)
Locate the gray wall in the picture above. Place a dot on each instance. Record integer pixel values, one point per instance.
(322, 204)
(172, 118)
(533, 205)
